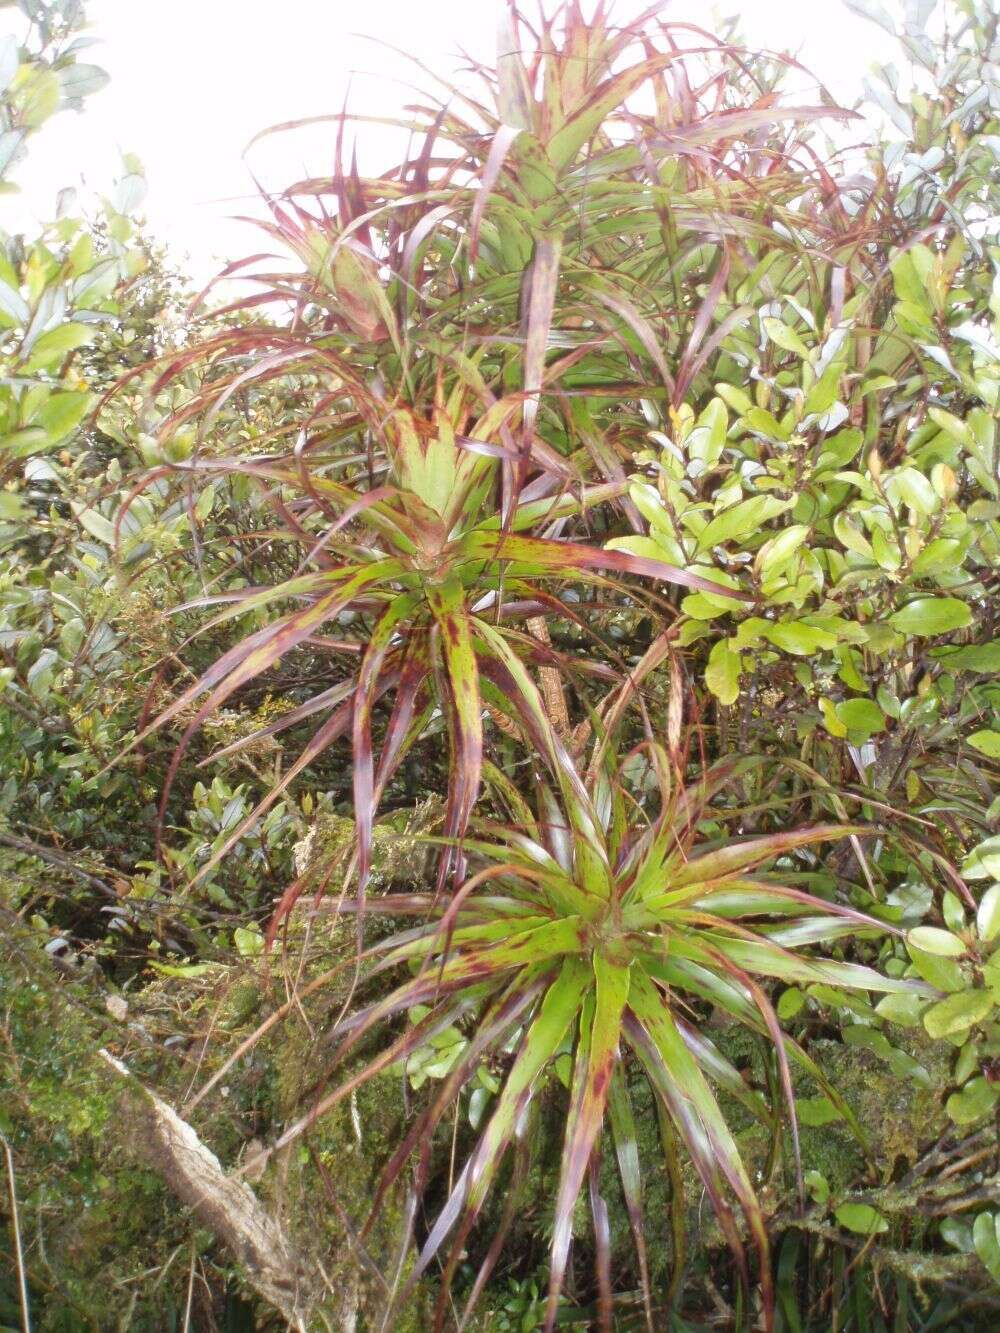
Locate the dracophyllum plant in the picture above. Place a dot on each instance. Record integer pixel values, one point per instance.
(605, 923)
(442, 575)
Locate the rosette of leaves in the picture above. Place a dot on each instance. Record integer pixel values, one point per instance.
(426, 559)
(600, 925)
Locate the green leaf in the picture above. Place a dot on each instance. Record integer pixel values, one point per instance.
(249, 942)
(24, 443)
(816, 1111)
(96, 524)
(762, 422)
(862, 718)
(841, 449)
(986, 1239)
(861, 1217)
(817, 1185)
(984, 657)
(564, 145)
(957, 1013)
(776, 553)
(13, 508)
(62, 413)
(983, 862)
(705, 443)
(790, 1003)
(953, 426)
(181, 969)
(957, 1232)
(798, 638)
(722, 675)
(943, 973)
(786, 338)
(986, 742)
(13, 306)
(988, 915)
(740, 520)
(831, 721)
(57, 343)
(901, 1009)
(852, 537)
(913, 489)
(975, 1100)
(933, 940)
(823, 394)
(932, 615)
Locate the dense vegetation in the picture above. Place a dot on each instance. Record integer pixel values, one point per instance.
(499, 723)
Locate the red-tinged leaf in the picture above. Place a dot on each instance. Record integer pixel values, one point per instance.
(523, 701)
(261, 650)
(462, 670)
(255, 599)
(241, 664)
(412, 1039)
(530, 512)
(559, 1009)
(596, 1061)
(498, 1021)
(690, 1129)
(739, 315)
(589, 854)
(700, 327)
(640, 326)
(717, 990)
(578, 848)
(536, 865)
(408, 717)
(767, 1013)
(543, 278)
(514, 99)
(716, 866)
(739, 899)
(739, 123)
(692, 1093)
(398, 610)
(564, 145)
(512, 1211)
(602, 1246)
(503, 141)
(327, 699)
(428, 942)
(336, 726)
(722, 1071)
(558, 557)
(518, 947)
(540, 455)
(523, 816)
(418, 234)
(769, 960)
(626, 1141)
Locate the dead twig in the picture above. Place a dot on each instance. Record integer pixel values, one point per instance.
(22, 1279)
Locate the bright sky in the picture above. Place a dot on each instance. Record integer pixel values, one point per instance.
(193, 80)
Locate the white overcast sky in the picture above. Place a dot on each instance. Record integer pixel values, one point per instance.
(193, 80)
